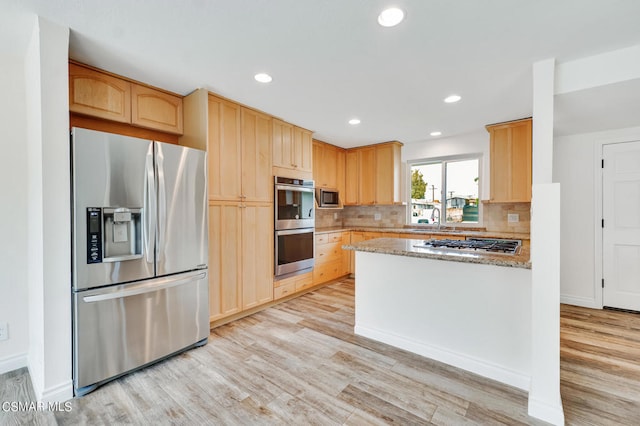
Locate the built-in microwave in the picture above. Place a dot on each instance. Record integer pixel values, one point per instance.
(326, 197)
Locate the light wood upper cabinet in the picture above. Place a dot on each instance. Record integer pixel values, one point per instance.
(510, 158)
(372, 174)
(239, 153)
(257, 184)
(302, 150)
(156, 110)
(224, 150)
(292, 150)
(329, 167)
(99, 95)
(282, 144)
(388, 174)
(367, 176)
(102, 95)
(351, 178)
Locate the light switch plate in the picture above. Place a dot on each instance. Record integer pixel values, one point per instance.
(513, 217)
(335, 216)
(4, 331)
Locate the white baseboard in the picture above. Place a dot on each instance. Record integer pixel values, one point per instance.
(460, 360)
(13, 362)
(549, 413)
(584, 302)
(58, 393)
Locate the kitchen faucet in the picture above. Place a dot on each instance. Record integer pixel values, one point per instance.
(433, 216)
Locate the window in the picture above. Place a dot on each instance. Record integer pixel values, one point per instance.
(444, 190)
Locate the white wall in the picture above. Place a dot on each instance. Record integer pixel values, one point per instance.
(48, 246)
(13, 214)
(576, 167)
(440, 317)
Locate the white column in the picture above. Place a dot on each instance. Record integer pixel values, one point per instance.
(48, 246)
(544, 395)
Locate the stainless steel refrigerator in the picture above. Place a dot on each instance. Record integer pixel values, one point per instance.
(139, 254)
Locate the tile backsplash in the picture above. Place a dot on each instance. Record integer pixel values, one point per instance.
(328, 218)
(362, 216)
(496, 217)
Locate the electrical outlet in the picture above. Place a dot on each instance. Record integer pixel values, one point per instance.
(513, 218)
(377, 216)
(4, 331)
(335, 216)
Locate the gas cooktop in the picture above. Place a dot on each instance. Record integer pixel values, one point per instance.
(483, 245)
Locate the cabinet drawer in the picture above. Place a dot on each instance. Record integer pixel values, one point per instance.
(335, 237)
(305, 282)
(284, 290)
(322, 238)
(328, 252)
(285, 282)
(327, 272)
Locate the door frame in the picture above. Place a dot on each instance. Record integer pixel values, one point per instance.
(599, 210)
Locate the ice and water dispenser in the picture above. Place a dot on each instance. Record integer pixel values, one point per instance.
(113, 234)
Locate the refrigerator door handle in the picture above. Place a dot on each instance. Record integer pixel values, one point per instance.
(160, 284)
(162, 202)
(150, 207)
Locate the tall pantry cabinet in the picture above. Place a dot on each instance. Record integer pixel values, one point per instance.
(240, 208)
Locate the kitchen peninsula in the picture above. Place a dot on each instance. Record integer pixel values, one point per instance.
(469, 310)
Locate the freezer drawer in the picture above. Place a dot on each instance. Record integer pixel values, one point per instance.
(121, 328)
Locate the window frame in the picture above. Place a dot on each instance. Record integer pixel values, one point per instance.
(443, 160)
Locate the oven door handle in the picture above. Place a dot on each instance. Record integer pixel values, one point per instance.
(295, 231)
(294, 188)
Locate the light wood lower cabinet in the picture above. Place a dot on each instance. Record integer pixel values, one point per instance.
(292, 285)
(240, 257)
(329, 258)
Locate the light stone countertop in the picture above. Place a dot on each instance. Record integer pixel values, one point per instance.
(405, 247)
(428, 231)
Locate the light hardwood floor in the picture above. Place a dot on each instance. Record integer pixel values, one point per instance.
(300, 363)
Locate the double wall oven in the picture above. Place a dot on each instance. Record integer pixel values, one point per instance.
(294, 226)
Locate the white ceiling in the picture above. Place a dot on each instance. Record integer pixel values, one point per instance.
(331, 61)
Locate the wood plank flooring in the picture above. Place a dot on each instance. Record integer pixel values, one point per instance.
(600, 366)
(300, 363)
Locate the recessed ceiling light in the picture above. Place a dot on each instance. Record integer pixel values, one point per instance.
(435, 133)
(453, 98)
(354, 121)
(263, 78)
(390, 17)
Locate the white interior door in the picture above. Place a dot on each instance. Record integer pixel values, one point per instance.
(621, 231)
